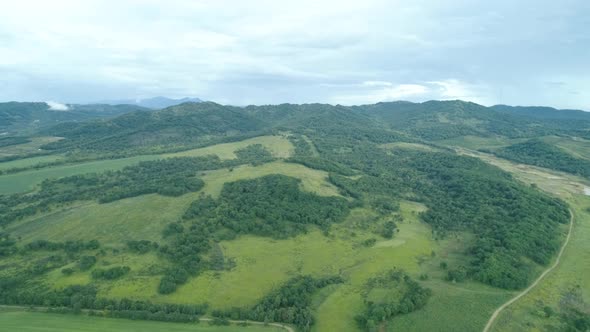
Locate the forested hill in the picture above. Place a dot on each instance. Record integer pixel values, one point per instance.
(19, 118)
(208, 122)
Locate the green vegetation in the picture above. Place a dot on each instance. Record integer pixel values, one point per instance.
(37, 322)
(391, 294)
(172, 214)
(287, 304)
(538, 153)
(269, 206)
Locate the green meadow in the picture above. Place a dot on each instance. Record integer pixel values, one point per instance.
(23, 321)
(279, 146)
(262, 264)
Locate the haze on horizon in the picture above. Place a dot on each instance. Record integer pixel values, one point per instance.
(268, 52)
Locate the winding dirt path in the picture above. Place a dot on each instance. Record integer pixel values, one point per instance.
(539, 279)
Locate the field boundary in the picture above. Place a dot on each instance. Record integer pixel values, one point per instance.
(204, 319)
(539, 279)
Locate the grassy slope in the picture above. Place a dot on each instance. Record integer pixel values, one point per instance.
(37, 322)
(27, 180)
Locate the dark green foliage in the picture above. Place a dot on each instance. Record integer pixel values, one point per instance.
(255, 154)
(46, 264)
(458, 274)
(68, 246)
(142, 246)
(411, 297)
(288, 304)
(384, 205)
(184, 251)
(170, 177)
(574, 311)
(7, 244)
(77, 297)
(272, 205)
(172, 279)
(548, 311)
(18, 117)
(137, 132)
(538, 153)
(67, 271)
(388, 229)
(86, 262)
(8, 141)
(322, 164)
(110, 273)
(369, 242)
(509, 219)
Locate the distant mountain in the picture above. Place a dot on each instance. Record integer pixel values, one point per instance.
(207, 122)
(541, 112)
(153, 103)
(26, 117)
(188, 123)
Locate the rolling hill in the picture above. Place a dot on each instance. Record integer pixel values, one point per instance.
(327, 218)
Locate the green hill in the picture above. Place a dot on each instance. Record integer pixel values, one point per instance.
(323, 217)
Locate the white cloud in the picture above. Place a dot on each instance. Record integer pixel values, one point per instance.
(266, 51)
(376, 83)
(381, 91)
(55, 106)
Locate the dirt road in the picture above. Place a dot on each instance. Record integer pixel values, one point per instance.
(526, 291)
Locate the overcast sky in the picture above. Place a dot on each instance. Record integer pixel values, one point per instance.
(525, 52)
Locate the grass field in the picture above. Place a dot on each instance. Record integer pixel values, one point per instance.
(475, 142)
(27, 180)
(311, 180)
(410, 146)
(28, 162)
(22, 321)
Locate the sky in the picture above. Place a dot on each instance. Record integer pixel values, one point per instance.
(526, 52)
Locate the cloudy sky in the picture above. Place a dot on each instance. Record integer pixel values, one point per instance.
(526, 52)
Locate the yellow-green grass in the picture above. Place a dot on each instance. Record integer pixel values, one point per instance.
(27, 180)
(279, 146)
(311, 180)
(453, 307)
(475, 142)
(578, 147)
(137, 218)
(263, 264)
(23, 321)
(29, 162)
(409, 146)
(26, 148)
